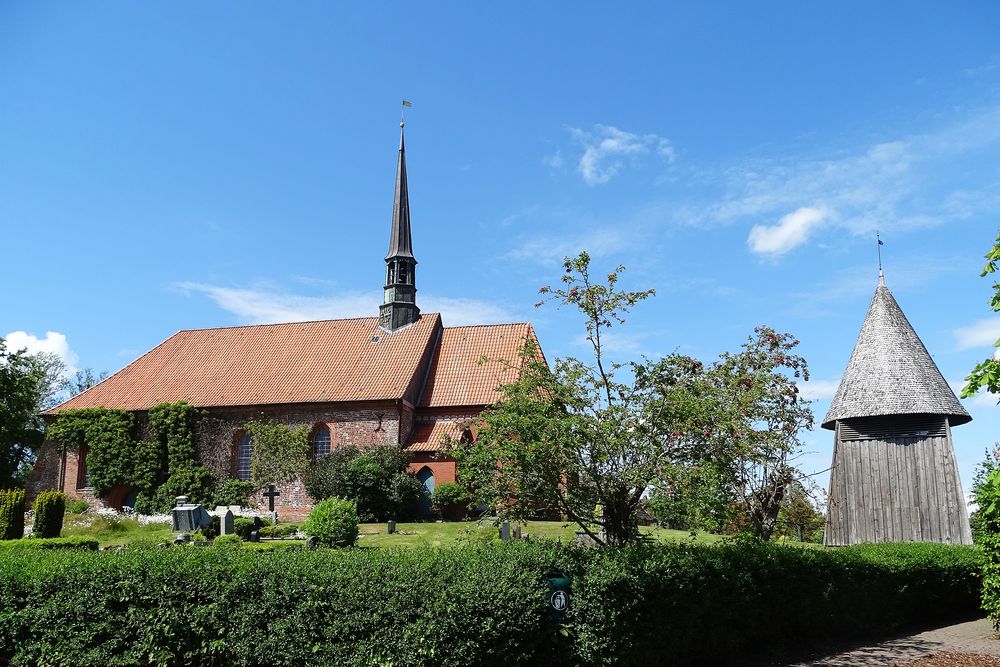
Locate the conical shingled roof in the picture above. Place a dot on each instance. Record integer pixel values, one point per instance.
(891, 372)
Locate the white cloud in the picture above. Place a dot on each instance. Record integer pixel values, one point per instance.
(552, 248)
(901, 183)
(982, 333)
(268, 306)
(607, 150)
(53, 343)
(790, 232)
(817, 390)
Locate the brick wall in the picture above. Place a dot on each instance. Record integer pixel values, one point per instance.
(358, 424)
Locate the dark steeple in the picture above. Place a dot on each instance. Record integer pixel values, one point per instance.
(399, 306)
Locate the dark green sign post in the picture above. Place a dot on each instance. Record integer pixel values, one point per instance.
(558, 597)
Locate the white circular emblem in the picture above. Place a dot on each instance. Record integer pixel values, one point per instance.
(559, 600)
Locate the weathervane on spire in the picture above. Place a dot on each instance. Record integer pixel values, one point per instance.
(405, 104)
(881, 276)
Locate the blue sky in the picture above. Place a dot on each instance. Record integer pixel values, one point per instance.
(179, 165)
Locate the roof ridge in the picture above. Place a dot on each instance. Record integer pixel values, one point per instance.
(282, 324)
(495, 324)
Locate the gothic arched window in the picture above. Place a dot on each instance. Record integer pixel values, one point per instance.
(244, 453)
(319, 441)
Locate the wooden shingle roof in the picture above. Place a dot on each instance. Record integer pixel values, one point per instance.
(891, 372)
(301, 362)
(456, 376)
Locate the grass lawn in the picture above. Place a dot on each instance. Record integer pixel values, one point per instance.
(126, 531)
(114, 531)
(444, 533)
(433, 534)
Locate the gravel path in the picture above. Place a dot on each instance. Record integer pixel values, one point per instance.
(971, 644)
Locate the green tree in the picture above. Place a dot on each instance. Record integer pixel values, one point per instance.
(375, 478)
(26, 383)
(986, 374)
(574, 440)
(799, 518)
(83, 380)
(756, 416)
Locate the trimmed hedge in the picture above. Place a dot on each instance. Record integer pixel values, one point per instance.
(50, 509)
(11, 514)
(35, 544)
(482, 605)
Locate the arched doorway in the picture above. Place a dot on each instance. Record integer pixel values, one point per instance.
(426, 477)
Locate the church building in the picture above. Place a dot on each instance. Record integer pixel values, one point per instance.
(401, 377)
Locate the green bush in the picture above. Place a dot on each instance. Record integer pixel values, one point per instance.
(35, 544)
(11, 514)
(450, 499)
(987, 495)
(227, 540)
(375, 478)
(49, 509)
(78, 506)
(279, 530)
(472, 605)
(334, 522)
(243, 526)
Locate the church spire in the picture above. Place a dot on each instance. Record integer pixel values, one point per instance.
(399, 306)
(400, 241)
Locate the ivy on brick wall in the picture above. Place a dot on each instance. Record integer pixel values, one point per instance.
(116, 456)
(174, 426)
(279, 453)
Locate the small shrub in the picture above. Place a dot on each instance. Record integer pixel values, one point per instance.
(78, 506)
(450, 499)
(279, 530)
(11, 514)
(227, 541)
(50, 508)
(334, 522)
(243, 526)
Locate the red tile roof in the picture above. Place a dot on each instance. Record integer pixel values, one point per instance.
(428, 437)
(302, 362)
(456, 376)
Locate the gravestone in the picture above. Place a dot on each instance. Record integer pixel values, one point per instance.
(392, 527)
(188, 517)
(226, 523)
(505, 531)
(255, 533)
(517, 531)
(271, 494)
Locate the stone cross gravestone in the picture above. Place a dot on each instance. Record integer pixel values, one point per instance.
(271, 494)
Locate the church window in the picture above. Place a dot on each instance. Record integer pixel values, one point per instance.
(320, 445)
(83, 472)
(244, 452)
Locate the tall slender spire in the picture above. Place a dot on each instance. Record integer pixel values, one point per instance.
(399, 305)
(400, 240)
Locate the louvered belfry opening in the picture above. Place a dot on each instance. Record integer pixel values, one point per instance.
(894, 476)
